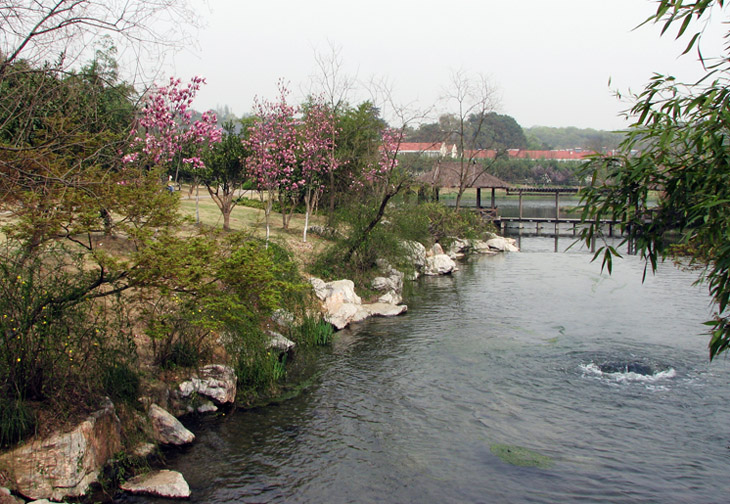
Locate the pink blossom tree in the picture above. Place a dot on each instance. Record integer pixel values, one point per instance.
(170, 135)
(317, 156)
(272, 144)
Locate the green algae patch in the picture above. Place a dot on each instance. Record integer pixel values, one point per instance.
(520, 456)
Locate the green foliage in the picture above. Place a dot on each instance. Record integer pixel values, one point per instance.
(313, 331)
(497, 131)
(677, 146)
(53, 334)
(16, 421)
(218, 286)
(445, 222)
(225, 169)
(120, 382)
(365, 245)
(545, 137)
(537, 171)
(260, 371)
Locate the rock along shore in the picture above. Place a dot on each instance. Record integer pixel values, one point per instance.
(64, 465)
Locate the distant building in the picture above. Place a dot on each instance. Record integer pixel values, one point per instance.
(430, 149)
(557, 155)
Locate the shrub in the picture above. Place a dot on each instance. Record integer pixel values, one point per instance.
(16, 421)
(313, 331)
(121, 383)
(445, 222)
(54, 335)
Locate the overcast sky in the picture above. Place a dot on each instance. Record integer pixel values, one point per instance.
(550, 60)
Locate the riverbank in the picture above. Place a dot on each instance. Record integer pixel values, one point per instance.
(122, 432)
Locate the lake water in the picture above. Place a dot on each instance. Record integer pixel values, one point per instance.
(606, 376)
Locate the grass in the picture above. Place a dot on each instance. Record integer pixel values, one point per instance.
(253, 220)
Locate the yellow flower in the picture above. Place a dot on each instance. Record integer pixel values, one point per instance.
(18, 359)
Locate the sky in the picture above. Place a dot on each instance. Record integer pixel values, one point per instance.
(550, 61)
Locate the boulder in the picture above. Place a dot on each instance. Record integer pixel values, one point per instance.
(164, 483)
(337, 292)
(280, 342)
(215, 381)
(167, 429)
(416, 253)
(503, 244)
(341, 306)
(384, 284)
(207, 407)
(391, 297)
(439, 264)
(482, 247)
(384, 309)
(458, 248)
(437, 249)
(144, 450)
(7, 498)
(64, 464)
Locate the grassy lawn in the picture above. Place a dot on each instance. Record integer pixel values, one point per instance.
(252, 220)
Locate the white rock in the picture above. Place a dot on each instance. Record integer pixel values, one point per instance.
(144, 450)
(437, 249)
(416, 253)
(481, 247)
(207, 407)
(503, 244)
(164, 483)
(458, 248)
(279, 342)
(64, 464)
(216, 381)
(384, 309)
(7, 498)
(383, 284)
(439, 264)
(391, 297)
(340, 304)
(282, 317)
(168, 429)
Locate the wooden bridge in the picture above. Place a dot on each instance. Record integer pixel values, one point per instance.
(501, 222)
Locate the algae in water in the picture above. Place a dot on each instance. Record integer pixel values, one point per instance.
(520, 456)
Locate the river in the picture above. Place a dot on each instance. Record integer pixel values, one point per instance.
(604, 376)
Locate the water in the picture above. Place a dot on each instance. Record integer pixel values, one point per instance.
(607, 377)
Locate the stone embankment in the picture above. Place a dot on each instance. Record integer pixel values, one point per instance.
(65, 464)
(341, 306)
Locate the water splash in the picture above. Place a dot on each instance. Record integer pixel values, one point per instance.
(628, 372)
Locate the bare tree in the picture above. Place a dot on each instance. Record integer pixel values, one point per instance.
(39, 31)
(334, 86)
(471, 97)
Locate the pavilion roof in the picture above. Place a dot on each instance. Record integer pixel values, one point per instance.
(448, 175)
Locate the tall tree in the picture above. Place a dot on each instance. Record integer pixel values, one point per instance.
(677, 146)
(473, 98)
(316, 151)
(273, 145)
(225, 169)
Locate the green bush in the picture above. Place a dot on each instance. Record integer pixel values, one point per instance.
(313, 331)
(53, 334)
(121, 383)
(445, 222)
(16, 421)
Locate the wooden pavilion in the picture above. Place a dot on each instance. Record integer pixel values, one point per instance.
(449, 175)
